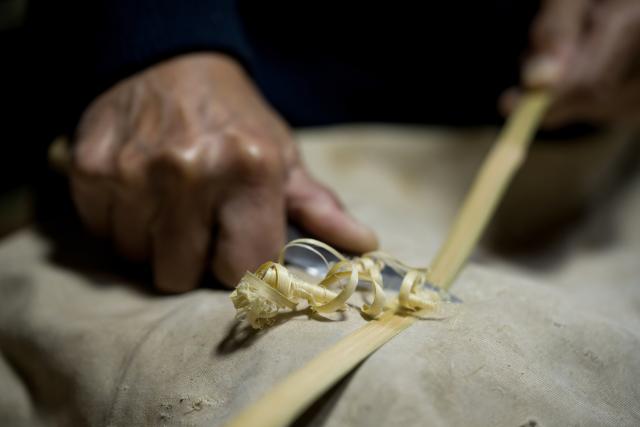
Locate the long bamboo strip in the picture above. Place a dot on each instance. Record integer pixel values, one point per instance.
(280, 406)
(492, 180)
(294, 394)
(288, 399)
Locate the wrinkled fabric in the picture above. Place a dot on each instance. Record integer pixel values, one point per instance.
(543, 340)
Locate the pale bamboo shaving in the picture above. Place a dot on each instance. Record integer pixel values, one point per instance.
(273, 289)
(288, 399)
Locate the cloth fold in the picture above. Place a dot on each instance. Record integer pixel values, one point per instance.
(558, 346)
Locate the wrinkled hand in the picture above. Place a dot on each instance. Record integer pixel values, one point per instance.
(186, 166)
(588, 52)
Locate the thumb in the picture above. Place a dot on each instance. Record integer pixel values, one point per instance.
(555, 35)
(317, 210)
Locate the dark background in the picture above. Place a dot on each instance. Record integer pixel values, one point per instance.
(317, 62)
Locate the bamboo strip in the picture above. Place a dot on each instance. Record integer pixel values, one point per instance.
(288, 399)
(492, 180)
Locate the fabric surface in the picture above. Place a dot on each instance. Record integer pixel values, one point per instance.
(545, 340)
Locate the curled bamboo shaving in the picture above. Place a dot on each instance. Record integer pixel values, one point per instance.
(273, 289)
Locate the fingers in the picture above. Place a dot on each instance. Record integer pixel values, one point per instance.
(134, 204)
(92, 164)
(131, 216)
(598, 78)
(555, 37)
(584, 50)
(92, 198)
(508, 100)
(614, 40)
(318, 211)
(252, 230)
(192, 147)
(180, 239)
(251, 218)
(608, 51)
(560, 113)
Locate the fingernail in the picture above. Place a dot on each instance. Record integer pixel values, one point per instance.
(541, 71)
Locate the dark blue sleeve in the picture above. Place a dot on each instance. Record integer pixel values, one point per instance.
(73, 50)
(130, 35)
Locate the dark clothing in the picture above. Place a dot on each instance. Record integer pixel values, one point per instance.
(424, 62)
(316, 62)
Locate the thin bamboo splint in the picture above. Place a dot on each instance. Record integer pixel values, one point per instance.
(294, 394)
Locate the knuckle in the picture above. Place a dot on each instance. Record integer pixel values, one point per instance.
(89, 160)
(231, 152)
(178, 160)
(131, 164)
(256, 158)
(194, 158)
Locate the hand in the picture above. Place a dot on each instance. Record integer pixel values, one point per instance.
(185, 165)
(588, 52)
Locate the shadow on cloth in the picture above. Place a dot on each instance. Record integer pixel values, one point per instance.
(242, 335)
